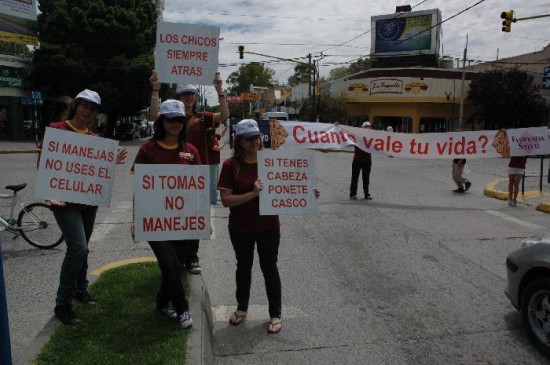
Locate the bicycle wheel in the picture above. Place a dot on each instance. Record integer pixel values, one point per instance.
(38, 226)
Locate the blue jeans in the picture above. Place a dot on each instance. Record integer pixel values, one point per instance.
(77, 227)
(171, 286)
(268, 251)
(214, 183)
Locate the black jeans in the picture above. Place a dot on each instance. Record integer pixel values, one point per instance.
(268, 250)
(190, 254)
(356, 168)
(171, 286)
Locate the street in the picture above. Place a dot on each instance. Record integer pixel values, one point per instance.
(414, 276)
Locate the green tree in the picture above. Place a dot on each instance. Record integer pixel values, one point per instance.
(102, 45)
(302, 75)
(239, 81)
(507, 99)
(329, 109)
(362, 64)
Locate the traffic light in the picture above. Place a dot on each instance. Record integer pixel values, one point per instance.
(241, 51)
(508, 17)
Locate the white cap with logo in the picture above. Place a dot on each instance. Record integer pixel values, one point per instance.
(172, 108)
(247, 128)
(181, 88)
(89, 95)
(365, 125)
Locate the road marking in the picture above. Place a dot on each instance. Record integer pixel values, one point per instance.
(514, 220)
(255, 312)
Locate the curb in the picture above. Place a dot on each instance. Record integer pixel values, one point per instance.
(200, 343)
(16, 151)
(491, 191)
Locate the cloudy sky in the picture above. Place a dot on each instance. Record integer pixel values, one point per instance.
(339, 31)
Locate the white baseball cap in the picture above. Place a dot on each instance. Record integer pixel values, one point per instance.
(172, 108)
(89, 95)
(247, 128)
(365, 125)
(181, 88)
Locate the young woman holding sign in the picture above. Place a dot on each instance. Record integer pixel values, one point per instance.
(239, 189)
(201, 126)
(76, 220)
(169, 146)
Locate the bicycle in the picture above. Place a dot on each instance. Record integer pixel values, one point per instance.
(35, 222)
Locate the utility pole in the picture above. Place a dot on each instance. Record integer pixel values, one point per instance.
(461, 112)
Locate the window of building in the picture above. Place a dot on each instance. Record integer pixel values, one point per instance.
(399, 124)
(432, 125)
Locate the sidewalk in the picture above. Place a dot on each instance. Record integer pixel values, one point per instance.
(8, 147)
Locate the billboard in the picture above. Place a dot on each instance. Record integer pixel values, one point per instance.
(412, 33)
(18, 21)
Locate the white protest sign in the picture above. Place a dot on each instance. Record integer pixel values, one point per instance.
(186, 53)
(288, 178)
(76, 168)
(171, 202)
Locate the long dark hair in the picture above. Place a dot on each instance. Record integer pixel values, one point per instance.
(238, 152)
(160, 131)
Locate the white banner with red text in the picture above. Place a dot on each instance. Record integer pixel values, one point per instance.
(470, 144)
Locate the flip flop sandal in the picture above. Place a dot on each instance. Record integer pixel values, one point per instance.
(236, 319)
(275, 326)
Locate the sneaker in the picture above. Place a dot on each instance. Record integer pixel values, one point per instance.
(185, 320)
(459, 190)
(468, 184)
(368, 197)
(194, 268)
(510, 202)
(85, 298)
(514, 203)
(66, 314)
(353, 197)
(169, 312)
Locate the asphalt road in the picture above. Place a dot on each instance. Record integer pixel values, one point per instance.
(415, 276)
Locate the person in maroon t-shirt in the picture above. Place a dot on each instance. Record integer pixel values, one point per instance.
(201, 126)
(169, 146)
(76, 220)
(516, 170)
(239, 188)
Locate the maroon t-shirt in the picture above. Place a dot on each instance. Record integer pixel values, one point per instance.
(213, 155)
(155, 152)
(245, 217)
(67, 126)
(518, 162)
(197, 134)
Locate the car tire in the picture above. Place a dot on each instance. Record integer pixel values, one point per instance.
(535, 312)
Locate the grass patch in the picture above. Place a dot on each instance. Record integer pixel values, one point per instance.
(123, 328)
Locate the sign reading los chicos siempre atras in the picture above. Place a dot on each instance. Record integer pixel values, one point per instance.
(186, 53)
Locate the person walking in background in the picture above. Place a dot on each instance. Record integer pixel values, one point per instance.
(239, 189)
(458, 169)
(168, 146)
(201, 126)
(362, 162)
(516, 171)
(76, 220)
